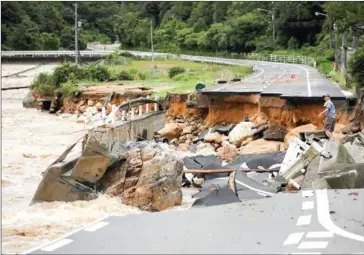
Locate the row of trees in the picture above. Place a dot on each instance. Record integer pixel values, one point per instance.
(203, 26)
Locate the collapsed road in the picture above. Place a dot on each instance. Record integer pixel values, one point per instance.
(82, 174)
(307, 222)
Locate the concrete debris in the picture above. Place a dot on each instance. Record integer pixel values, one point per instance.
(298, 156)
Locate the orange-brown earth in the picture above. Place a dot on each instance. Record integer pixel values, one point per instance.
(274, 110)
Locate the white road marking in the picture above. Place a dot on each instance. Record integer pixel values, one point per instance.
(309, 93)
(319, 234)
(57, 245)
(294, 238)
(260, 192)
(304, 220)
(97, 226)
(307, 193)
(31, 250)
(307, 205)
(313, 245)
(323, 214)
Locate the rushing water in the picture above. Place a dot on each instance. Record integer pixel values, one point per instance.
(31, 140)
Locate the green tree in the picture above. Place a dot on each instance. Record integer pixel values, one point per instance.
(25, 36)
(49, 41)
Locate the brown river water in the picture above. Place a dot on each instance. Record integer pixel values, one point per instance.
(43, 137)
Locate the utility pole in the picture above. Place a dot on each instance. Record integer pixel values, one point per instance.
(330, 24)
(336, 44)
(273, 25)
(76, 36)
(151, 42)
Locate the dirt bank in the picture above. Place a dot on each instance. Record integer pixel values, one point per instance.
(234, 108)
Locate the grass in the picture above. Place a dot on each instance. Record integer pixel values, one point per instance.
(184, 82)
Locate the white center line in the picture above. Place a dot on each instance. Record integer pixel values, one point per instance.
(320, 234)
(294, 238)
(57, 245)
(307, 205)
(304, 220)
(97, 226)
(307, 193)
(313, 245)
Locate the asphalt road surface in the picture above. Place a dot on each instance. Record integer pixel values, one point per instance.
(285, 80)
(306, 222)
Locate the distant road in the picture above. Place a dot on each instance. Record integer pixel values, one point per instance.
(270, 78)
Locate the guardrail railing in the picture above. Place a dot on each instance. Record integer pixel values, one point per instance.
(228, 61)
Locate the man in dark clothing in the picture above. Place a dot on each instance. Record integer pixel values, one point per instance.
(330, 116)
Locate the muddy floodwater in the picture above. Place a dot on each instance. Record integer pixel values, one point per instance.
(31, 140)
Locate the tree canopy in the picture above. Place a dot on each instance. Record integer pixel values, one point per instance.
(198, 26)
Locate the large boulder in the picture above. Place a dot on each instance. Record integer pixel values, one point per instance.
(171, 131)
(150, 178)
(261, 146)
(296, 132)
(240, 132)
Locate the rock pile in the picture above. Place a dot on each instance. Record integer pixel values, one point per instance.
(150, 177)
(225, 141)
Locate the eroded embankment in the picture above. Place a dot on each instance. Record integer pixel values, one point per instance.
(218, 109)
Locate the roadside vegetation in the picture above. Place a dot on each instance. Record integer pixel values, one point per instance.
(200, 28)
(170, 75)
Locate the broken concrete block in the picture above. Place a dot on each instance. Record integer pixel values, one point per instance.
(93, 154)
(339, 157)
(344, 180)
(356, 150)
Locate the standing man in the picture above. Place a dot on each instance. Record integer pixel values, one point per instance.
(330, 116)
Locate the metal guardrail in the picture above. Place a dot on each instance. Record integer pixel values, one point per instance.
(228, 61)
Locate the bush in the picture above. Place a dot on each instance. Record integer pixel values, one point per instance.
(142, 76)
(125, 76)
(175, 70)
(69, 89)
(43, 84)
(185, 77)
(133, 72)
(129, 55)
(63, 72)
(98, 73)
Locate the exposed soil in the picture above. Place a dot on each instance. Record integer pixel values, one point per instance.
(233, 109)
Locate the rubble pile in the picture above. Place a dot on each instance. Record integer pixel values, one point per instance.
(328, 164)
